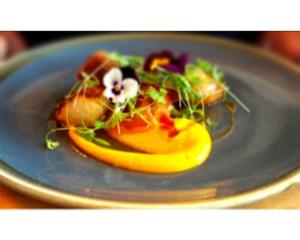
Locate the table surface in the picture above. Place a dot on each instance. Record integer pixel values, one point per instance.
(290, 199)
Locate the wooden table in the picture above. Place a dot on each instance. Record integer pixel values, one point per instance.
(288, 199)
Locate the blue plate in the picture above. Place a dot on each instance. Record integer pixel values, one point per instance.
(258, 159)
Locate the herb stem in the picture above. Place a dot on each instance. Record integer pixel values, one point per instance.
(237, 100)
(55, 130)
(97, 69)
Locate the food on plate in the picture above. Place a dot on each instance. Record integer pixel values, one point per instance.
(155, 106)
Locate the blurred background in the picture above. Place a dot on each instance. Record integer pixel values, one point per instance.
(286, 44)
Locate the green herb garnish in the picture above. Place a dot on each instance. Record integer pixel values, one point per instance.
(231, 94)
(119, 58)
(157, 95)
(217, 74)
(90, 133)
(50, 143)
(124, 61)
(205, 65)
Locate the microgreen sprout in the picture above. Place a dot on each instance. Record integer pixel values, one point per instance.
(125, 61)
(231, 94)
(50, 143)
(90, 133)
(157, 96)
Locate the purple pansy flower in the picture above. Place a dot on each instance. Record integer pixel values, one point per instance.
(120, 84)
(166, 60)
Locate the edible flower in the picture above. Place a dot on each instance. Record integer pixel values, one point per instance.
(120, 84)
(166, 60)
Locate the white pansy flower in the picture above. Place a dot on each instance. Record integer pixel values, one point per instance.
(118, 89)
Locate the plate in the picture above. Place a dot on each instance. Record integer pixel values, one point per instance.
(260, 158)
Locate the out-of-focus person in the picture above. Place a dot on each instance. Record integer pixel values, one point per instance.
(11, 43)
(286, 44)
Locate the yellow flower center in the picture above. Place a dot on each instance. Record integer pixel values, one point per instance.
(159, 61)
(117, 88)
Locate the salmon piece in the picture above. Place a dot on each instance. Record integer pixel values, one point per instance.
(93, 63)
(150, 117)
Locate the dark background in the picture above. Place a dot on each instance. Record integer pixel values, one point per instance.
(286, 44)
(37, 38)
